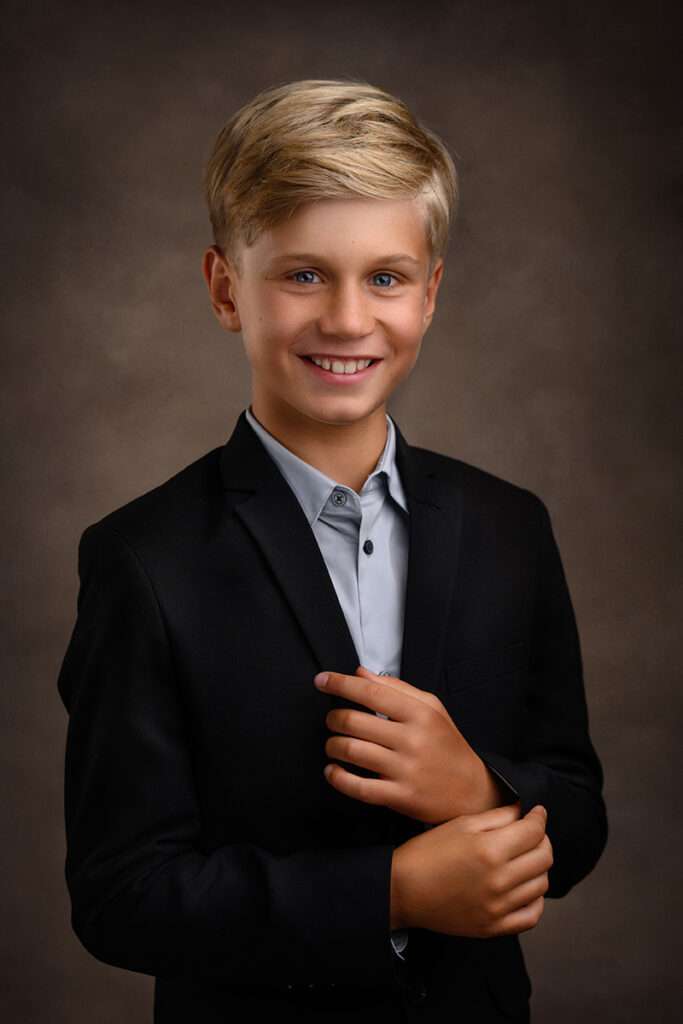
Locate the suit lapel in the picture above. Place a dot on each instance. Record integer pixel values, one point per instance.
(277, 523)
(436, 509)
(271, 513)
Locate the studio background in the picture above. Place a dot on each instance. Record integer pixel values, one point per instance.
(553, 361)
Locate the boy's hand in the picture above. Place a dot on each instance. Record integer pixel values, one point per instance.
(427, 769)
(480, 875)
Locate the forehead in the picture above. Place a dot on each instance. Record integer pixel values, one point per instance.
(348, 230)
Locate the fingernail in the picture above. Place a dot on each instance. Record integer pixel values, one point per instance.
(321, 679)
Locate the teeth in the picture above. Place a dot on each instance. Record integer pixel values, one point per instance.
(339, 366)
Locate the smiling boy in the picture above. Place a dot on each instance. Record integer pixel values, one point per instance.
(328, 746)
(340, 280)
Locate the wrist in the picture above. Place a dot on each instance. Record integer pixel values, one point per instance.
(483, 791)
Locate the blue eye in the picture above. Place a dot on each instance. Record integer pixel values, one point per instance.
(383, 273)
(310, 272)
(383, 278)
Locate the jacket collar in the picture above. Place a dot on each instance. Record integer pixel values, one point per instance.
(276, 522)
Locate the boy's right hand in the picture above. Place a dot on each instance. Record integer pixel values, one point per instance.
(478, 875)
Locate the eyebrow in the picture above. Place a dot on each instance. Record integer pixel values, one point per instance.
(311, 257)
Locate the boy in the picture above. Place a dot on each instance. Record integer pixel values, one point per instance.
(205, 845)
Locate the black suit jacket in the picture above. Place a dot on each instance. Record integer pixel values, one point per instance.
(204, 846)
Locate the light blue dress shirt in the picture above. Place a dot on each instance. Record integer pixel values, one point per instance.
(363, 538)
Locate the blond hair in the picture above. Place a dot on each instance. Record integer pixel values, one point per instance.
(323, 139)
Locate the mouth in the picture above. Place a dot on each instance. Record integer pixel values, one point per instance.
(341, 371)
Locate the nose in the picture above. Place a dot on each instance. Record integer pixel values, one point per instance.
(346, 313)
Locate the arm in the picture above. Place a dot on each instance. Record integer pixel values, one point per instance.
(561, 770)
(145, 896)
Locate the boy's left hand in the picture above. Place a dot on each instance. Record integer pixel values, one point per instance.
(427, 769)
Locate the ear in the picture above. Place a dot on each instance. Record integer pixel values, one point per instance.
(221, 277)
(432, 288)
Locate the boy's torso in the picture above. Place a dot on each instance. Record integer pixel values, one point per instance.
(251, 616)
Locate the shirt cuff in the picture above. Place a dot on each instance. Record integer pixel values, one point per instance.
(399, 940)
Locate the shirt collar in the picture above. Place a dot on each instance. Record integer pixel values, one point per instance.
(313, 488)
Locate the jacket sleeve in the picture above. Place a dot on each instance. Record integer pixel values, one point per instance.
(561, 769)
(144, 894)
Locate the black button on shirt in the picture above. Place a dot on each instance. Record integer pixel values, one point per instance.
(368, 547)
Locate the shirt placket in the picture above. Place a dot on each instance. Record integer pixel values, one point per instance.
(370, 582)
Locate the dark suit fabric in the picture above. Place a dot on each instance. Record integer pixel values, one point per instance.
(204, 845)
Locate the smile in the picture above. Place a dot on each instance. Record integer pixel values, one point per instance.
(341, 371)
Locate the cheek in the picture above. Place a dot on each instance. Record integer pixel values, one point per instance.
(263, 303)
(281, 321)
(407, 313)
(269, 333)
(282, 301)
(407, 351)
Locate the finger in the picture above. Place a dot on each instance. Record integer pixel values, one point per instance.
(365, 755)
(372, 693)
(528, 865)
(521, 920)
(524, 834)
(485, 821)
(522, 895)
(365, 726)
(400, 684)
(368, 791)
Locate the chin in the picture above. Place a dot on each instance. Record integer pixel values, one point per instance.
(341, 414)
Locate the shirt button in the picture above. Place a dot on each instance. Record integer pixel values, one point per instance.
(368, 547)
(339, 497)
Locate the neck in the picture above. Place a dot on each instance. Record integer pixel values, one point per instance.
(346, 452)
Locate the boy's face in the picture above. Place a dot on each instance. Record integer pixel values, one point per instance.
(342, 279)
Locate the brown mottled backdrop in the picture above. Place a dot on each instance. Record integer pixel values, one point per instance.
(553, 361)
